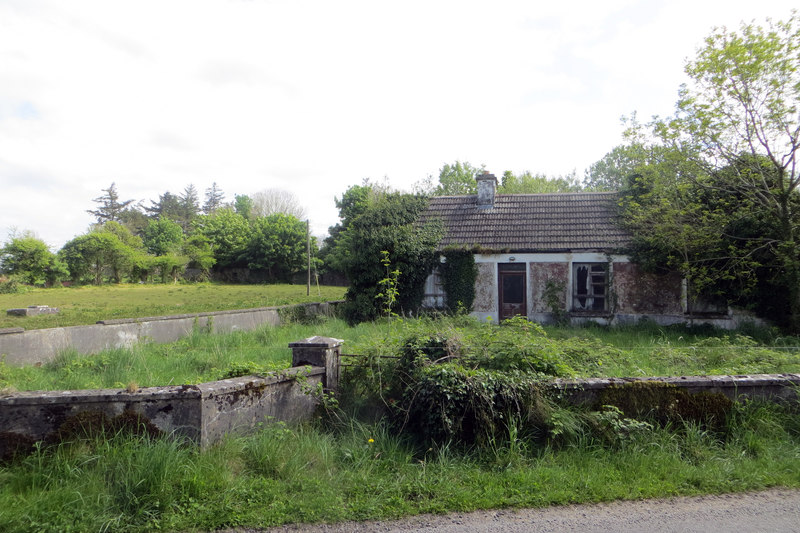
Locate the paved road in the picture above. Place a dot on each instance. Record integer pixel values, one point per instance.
(773, 511)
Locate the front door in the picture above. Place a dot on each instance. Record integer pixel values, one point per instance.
(512, 290)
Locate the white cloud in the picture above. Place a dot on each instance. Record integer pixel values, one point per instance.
(315, 96)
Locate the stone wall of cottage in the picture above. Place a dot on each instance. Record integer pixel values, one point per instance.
(642, 293)
(542, 275)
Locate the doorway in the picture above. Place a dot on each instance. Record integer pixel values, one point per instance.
(512, 290)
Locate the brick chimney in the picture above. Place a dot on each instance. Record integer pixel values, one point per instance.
(487, 186)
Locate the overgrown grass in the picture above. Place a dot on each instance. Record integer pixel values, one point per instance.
(88, 304)
(583, 352)
(355, 471)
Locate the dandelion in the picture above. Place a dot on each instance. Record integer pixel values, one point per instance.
(370, 441)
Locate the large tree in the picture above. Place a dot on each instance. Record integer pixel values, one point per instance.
(737, 131)
(456, 179)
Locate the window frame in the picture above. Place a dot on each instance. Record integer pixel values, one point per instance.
(597, 275)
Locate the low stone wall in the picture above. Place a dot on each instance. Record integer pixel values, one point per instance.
(772, 387)
(203, 413)
(22, 347)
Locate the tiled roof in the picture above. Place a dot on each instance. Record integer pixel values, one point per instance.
(531, 222)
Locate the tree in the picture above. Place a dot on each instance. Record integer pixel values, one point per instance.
(190, 207)
(458, 178)
(527, 183)
(271, 201)
(94, 256)
(214, 198)
(737, 128)
(243, 205)
(385, 223)
(228, 233)
(167, 206)
(110, 207)
(163, 236)
(615, 169)
(277, 246)
(31, 260)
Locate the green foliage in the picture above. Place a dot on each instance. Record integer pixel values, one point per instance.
(97, 255)
(29, 260)
(227, 233)
(458, 178)
(458, 273)
(277, 246)
(553, 296)
(388, 287)
(527, 183)
(163, 236)
(735, 136)
(387, 222)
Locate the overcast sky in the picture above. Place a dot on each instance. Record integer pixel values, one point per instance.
(315, 96)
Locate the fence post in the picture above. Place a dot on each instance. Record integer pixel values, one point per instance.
(319, 351)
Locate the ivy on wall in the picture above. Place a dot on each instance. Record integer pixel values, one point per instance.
(458, 273)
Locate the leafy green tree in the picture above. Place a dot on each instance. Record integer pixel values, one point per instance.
(527, 183)
(387, 222)
(110, 207)
(277, 246)
(163, 236)
(228, 234)
(97, 255)
(737, 128)
(29, 258)
(617, 167)
(456, 179)
(243, 205)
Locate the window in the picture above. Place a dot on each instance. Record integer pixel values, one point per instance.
(589, 287)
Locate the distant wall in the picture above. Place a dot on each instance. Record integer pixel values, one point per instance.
(25, 347)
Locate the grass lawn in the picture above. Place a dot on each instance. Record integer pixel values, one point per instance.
(88, 304)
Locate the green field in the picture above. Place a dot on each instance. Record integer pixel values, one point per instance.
(88, 304)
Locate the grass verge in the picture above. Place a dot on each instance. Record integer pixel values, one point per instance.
(356, 471)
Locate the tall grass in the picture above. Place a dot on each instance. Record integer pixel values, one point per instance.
(589, 352)
(362, 471)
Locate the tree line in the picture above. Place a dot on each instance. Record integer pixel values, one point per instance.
(260, 236)
(710, 192)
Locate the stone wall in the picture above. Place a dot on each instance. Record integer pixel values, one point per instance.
(203, 413)
(21, 347)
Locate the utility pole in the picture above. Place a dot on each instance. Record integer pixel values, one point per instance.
(308, 256)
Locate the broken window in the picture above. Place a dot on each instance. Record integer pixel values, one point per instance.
(589, 286)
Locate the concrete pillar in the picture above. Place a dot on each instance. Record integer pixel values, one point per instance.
(319, 351)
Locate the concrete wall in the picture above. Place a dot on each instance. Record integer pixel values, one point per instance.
(21, 347)
(772, 387)
(202, 413)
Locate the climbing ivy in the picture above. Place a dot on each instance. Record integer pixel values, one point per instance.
(458, 272)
